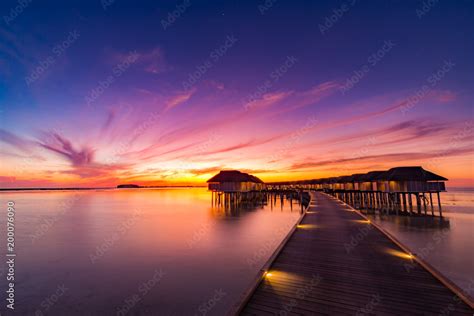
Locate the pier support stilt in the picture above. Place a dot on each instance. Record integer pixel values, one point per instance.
(410, 203)
(418, 203)
(439, 203)
(424, 203)
(404, 203)
(431, 203)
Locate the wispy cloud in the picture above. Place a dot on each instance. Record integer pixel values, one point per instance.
(386, 158)
(63, 147)
(179, 99)
(16, 141)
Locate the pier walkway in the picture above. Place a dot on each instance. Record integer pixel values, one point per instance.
(338, 263)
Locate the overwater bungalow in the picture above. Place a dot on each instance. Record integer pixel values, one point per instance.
(323, 184)
(368, 181)
(337, 184)
(234, 181)
(402, 183)
(256, 184)
(232, 187)
(349, 183)
(346, 182)
(316, 184)
(329, 183)
(411, 179)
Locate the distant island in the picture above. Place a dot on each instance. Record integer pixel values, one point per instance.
(128, 186)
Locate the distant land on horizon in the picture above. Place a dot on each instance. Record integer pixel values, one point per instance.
(456, 188)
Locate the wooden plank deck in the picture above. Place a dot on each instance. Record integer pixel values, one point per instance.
(319, 271)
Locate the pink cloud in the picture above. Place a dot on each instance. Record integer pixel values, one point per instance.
(64, 147)
(179, 99)
(388, 157)
(267, 100)
(443, 96)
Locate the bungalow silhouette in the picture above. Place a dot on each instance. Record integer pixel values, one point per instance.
(410, 179)
(403, 182)
(234, 181)
(368, 181)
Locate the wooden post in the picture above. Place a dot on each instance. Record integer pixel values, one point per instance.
(418, 203)
(399, 204)
(404, 203)
(410, 203)
(393, 202)
(381, 198)
(439, 203)
(424, 202)
(389, 203)
(301, 201)
(379, 201)
(431, 203)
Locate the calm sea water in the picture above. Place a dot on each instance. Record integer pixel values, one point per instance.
(448, 245)
(138, 251)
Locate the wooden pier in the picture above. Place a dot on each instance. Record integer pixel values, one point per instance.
(338, 263)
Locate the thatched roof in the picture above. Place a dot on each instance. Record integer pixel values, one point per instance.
(370, 176)
(416, 173)
(234, 176)
(255, 179)
(395, 174)
(357, 177)
(344, 179)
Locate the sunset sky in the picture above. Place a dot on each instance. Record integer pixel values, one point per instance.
(104, 93)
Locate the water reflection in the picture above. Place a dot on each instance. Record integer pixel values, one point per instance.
(234, 204)
(420, 222)
(445, 243)
(103, 245)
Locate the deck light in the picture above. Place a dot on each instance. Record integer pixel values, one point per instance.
(307, 226)
(400, 254)
(363, 221)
